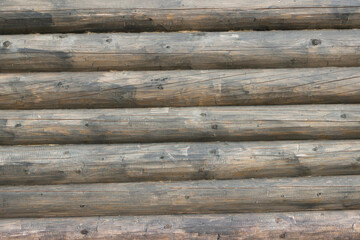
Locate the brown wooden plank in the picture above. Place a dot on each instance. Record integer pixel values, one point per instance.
(179, 88)
(166, 51)
(151, 198)
(20, 165)
(136, 125)
(322, 225)
(31, 16)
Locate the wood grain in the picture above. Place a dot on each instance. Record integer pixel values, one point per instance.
(26, 165)
(323, 225)
(136, 125)
(179, 88)
(168, 51)
(151, 198)
(47, 16)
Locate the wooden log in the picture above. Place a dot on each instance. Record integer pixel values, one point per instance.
(140, 125)
(151, 198)
(166, 51)
(179, 88)
(323, 225)
(46, 16)
(26, 165)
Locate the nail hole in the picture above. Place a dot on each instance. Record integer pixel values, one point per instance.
(315, 42)
(6, 44)
(213, 151)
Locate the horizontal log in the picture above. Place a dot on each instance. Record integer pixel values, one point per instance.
(179, 88)
(46, 16)
(289, 225)
(26, 165)
(140, 125)
(151, 198)
(166, 51)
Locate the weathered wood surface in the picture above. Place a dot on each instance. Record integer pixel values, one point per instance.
(323, 225)
(25, 16)
(179, 88)
(20, 165)
(136, 125)
(166, 51)
(211, 196)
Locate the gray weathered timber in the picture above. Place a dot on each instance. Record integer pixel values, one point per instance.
(48, 16)
(150, 198)
(179, 88)
(167, 51)
(323, 225)
(27, 165)
(136, 125)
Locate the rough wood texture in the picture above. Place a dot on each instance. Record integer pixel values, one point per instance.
(25, 16)
(166, 51)
(135, 125)
(217, 196)
(179, 88)
(323, 225)
(21, 165)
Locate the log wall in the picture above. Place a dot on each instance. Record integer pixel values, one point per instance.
(161, 119)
